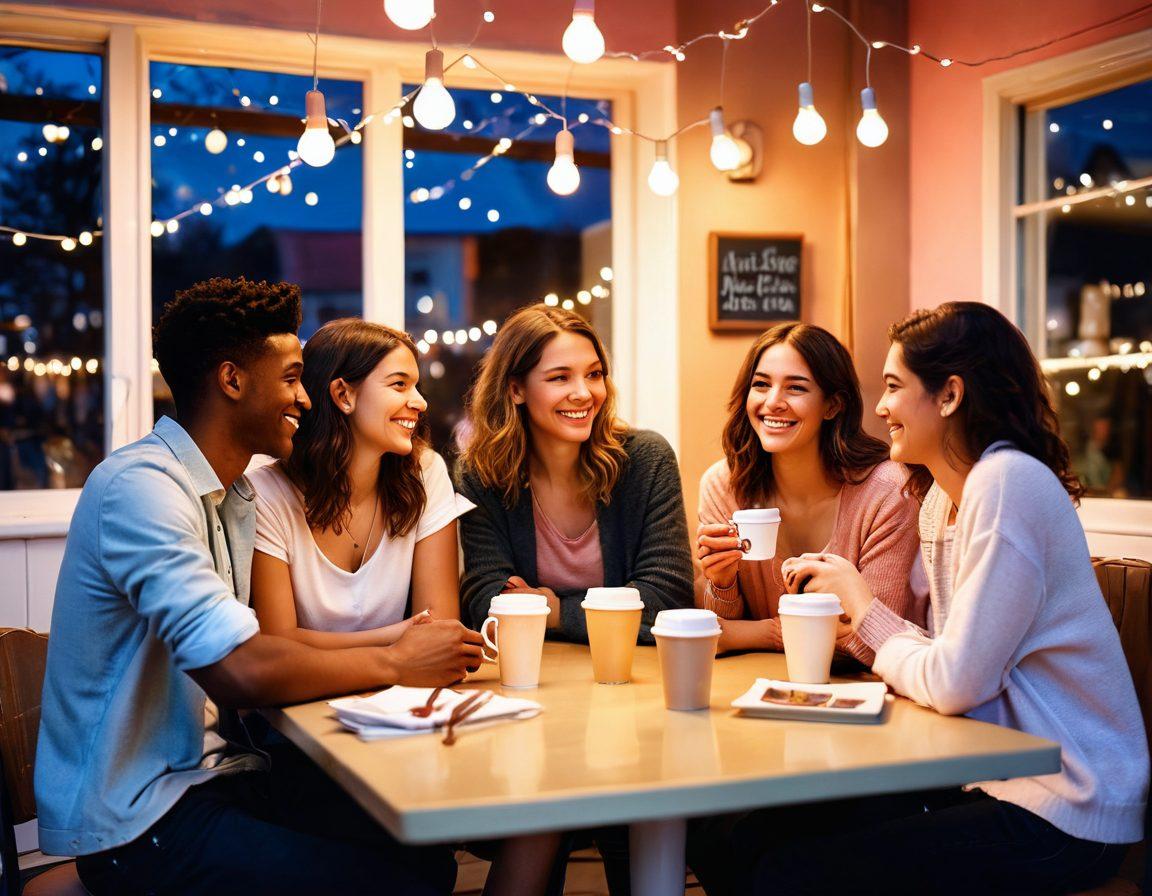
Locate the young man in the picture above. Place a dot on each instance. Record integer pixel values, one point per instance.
(152, 787)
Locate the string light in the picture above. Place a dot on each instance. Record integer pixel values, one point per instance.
(724, 152)
(808, 127)
(582, 42)
(662, 180)
(564, 176)
(411, 15)
(216, 141)
(316, 146)
(434, 107)
(872, 130)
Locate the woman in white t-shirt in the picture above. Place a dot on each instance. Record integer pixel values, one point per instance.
(363, 513)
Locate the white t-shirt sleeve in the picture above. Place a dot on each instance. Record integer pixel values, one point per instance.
(442, 504)
(273, 529)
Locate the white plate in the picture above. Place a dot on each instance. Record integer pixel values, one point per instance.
(871, 710)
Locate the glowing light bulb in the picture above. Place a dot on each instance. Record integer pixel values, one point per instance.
(564, 176)
(809, 127)
(662, 179)
(316, 147)
(434, 107)
(411, 15)
(725, 152)
(216, 141)
(51, 133)
(872, 129)
(583, 41)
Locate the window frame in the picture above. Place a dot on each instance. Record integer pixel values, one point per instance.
(644, 228)
(1014, 105)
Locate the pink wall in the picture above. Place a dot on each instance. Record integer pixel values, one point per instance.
(947, 117)
(520, 24)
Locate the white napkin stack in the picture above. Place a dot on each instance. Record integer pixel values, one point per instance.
(388, 713)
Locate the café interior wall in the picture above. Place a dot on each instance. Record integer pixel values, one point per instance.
(947, 121)
(849, 203)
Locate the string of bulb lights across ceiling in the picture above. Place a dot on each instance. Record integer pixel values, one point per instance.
(583, 43)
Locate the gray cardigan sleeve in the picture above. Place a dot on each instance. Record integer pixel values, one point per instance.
(489, 559)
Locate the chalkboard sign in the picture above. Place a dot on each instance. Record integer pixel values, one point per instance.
(754, 280)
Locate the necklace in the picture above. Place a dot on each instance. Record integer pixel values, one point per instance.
(371, 529)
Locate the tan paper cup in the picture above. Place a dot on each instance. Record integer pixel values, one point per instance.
(808, 625)
(613, 618)
(686, 644)
(757, 530)
(517, 623)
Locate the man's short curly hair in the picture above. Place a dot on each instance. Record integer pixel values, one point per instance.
(215, 321)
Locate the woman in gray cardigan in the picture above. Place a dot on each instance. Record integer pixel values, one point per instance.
(566, 496)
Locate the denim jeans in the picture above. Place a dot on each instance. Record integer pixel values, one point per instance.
(290, 831)
(941, 842)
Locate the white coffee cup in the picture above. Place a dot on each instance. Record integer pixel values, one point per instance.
(518, 623)
(757, 531)
(686, 644)
(808, 626)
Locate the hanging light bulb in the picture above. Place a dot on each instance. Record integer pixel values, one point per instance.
(583, 41)
(809, 127)
(316, 147)
(725, 152)
(216, 141)
(564, 176)
(411, 15)
(662, 179)
(872, 129)
(434, 108)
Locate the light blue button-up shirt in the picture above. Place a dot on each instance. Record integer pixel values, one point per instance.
(154, 582)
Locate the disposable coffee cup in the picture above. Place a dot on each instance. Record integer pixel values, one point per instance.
(808, 625)
(613, 618)
(686, 644)
(514, 631)
(757, 531)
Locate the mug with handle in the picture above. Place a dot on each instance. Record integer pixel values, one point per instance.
(517, 623)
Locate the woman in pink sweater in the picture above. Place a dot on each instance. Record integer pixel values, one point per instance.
(794, 441)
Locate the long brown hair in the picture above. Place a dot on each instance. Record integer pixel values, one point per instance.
(349, 349)
(847, 452)
(496, 450)
(1005, 394)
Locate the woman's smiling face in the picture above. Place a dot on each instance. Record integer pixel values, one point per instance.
(564, 392)
(785, 406)
(915, 423)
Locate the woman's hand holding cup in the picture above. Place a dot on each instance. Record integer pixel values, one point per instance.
(830, 574)
(718, 549)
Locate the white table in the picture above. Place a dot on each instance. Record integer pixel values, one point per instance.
(602, 754)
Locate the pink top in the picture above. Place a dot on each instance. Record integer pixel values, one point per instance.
(875, 528)
(567, 563)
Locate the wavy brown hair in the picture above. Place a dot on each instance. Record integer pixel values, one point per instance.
(1005, 394)
(847, 452)
(350, 349)
(496, 450)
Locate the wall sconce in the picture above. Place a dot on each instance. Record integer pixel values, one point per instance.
(750, 139)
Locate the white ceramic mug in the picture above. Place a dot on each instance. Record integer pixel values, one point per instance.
(757, 531)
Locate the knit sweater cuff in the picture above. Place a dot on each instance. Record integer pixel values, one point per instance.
(724, 602)
(879, 624)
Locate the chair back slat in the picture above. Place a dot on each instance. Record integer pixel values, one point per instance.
(23, 655)
(1127, 587)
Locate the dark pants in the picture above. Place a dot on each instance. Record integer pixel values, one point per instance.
(291, 831)
(942, 842)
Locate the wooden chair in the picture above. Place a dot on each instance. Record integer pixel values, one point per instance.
(1127, 587)
(23, 654)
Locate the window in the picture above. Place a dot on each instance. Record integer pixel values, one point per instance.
(484, 235)
(230, 199)
(1085, 229)
(52, 289)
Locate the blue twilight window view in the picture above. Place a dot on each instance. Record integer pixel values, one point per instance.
(51, 268)
(483, 238)
(214, 132)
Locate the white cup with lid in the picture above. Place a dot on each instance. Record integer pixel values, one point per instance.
(518, 623)
(808, 627)
(757, 530)
(613, 619)
(686, 643)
